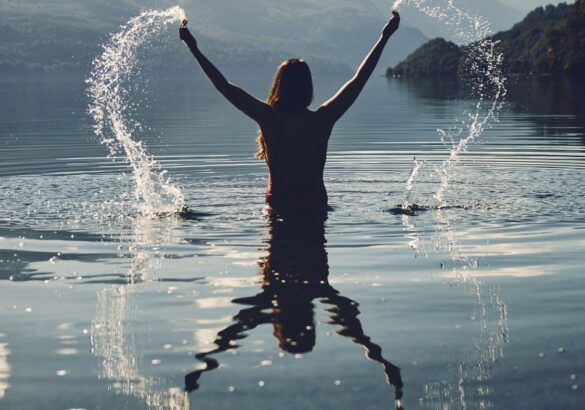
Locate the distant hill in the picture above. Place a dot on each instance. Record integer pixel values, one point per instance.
(249, 36)
(549, 41)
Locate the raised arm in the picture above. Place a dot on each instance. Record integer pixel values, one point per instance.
(258, 110)
(337, 105)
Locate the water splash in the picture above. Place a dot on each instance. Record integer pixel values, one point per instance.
(109, 83)
(488, 83)
(470, 389)
(464, 26)
(485, 78)
(397, 4)
(407, 206)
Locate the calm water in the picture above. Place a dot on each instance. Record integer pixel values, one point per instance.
(479, 305)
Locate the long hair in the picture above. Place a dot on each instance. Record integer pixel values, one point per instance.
(291, 91)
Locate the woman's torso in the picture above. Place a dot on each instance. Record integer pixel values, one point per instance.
(296, 148)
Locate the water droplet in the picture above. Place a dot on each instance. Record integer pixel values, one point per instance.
(261, 383)
(231, 389)
(168, 347)
(338, 382)
(62, 373)
(575, 387)
(54, 259)
(541, 354)
(156, 361)
(562, 350)
(573, 376)
(28, 310)
(266, 363)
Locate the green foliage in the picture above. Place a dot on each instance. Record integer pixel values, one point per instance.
(549, 41)
(438, 57)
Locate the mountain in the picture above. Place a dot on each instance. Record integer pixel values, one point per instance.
(549, 41)
(240, 35)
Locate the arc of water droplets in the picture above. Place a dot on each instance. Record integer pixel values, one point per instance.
(112, 336)
(108, 87)
(486, 77)
(488, 81)
(418, 165)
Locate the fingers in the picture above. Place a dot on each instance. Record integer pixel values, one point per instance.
(183, 24)
(395, 14)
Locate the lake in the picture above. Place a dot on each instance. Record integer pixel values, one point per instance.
(478, 304)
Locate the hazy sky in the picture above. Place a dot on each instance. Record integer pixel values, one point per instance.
(527, 5)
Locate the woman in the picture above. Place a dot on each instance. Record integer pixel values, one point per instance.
(292, 139)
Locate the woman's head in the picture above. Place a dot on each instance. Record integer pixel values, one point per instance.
(292, 87)
(291, 91)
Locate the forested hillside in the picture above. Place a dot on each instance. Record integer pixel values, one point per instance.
(549, 41)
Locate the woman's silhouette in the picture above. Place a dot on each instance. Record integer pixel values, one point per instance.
(293, 139)
(294, 275)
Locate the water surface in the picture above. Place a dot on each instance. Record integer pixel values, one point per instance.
(479, 304)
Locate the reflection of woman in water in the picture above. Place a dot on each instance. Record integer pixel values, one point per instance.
(293, 275)
(292, 139)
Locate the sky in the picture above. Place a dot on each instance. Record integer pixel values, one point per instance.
(527, 5)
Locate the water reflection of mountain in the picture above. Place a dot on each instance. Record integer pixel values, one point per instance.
(294, 275)
(547, 102)
(546, 96)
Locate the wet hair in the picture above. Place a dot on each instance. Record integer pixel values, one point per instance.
(291, 91)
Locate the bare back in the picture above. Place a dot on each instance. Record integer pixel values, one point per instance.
(296, 150)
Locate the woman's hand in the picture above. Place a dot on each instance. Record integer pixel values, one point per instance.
(185, 35)
(393, 24)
